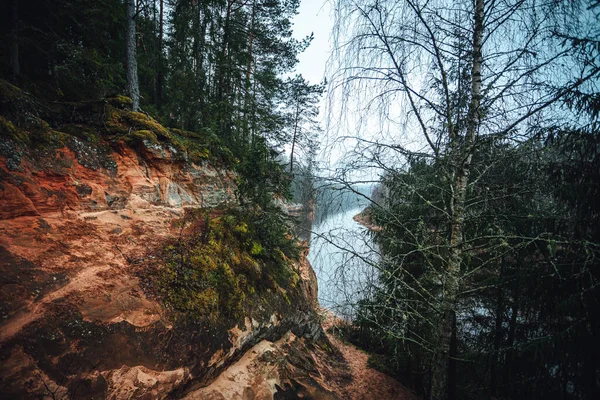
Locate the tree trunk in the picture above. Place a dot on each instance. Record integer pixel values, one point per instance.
(222, 72)
(202, 75)
(452, 362)
(15, 69)
(294, 140)
(159, 73)
(462, 160)
(497, 335)
(221, 90)
(248, 84)
(133, 88)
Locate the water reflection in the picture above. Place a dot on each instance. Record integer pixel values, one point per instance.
(341, 252)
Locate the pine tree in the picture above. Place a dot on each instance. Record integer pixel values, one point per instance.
(133, 88)
(303, 100)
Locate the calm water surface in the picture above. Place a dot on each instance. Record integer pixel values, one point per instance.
(340, 253)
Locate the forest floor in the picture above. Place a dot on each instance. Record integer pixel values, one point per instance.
(366, 383)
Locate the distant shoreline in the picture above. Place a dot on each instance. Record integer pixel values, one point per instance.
(364, 218)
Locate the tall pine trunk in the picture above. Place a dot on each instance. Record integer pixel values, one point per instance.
(462, 164)
(222, 66)
(297, 118)
(248, 83)
(160, 68)
(133, 88)
(15, 69)
(202, 74)
(222, 78)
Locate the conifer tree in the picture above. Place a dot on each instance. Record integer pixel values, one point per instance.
(133, 88)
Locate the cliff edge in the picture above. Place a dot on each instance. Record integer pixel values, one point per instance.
(129, 269)
(101, 209)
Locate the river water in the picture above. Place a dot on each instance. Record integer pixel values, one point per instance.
(341, 252)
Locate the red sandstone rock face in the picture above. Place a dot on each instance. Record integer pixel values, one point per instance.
(139, 180)
(75, 321)
(14, 203)
(80, 226)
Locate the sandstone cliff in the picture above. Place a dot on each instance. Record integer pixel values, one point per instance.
(128, 269)
(90, 197)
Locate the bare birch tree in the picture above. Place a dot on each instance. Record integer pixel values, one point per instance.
(444, 79)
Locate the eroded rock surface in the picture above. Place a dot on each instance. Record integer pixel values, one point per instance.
(287, 368)
(83, 222)
(76, 321)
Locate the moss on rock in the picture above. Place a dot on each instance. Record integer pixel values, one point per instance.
(144, 135)
(9, 131)
(32, 125)
(219, 274)
(144, 122)
(120, 101)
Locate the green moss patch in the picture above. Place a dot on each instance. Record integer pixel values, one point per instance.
(121, 102)
(98, 123)
(135, 127)
(16, 103)
(123, 122)
(9, 131)
(145, 135)
(9, 92)
(224, 268)
(203, 146)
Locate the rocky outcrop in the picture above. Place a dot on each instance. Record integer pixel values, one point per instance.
(290, 367)
(129, 179)
(81, 225)
(123, 276)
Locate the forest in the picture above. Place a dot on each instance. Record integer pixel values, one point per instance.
(220, 68)
(475, 151)
(486, 209)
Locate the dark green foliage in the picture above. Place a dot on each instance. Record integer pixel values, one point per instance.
(224, 68)
(301, 115)
(67, 49)
(528, 307)
(213, 67)
(262, 176)
(30, 122)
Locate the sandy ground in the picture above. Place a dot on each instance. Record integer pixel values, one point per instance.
(366, 383)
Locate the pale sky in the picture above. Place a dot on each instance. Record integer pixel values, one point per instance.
(337, 143)
(314, 16)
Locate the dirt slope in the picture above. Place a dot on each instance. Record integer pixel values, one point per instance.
(365, 382)
(294, 368)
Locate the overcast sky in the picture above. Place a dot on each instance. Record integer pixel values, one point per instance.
(314, 16)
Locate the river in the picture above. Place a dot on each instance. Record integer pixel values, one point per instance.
(340, 251)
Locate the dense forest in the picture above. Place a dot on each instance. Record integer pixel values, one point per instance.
(487, 215)
(479, 119)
